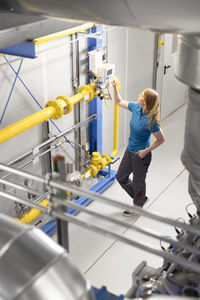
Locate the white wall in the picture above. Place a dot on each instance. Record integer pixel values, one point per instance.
(116, 55)
(131, 50)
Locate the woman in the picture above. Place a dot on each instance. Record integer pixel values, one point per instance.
(137, 157)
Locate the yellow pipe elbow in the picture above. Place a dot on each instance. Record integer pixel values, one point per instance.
(24, 124)
(33, 213)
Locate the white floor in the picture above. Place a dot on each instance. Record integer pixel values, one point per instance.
(107, 262)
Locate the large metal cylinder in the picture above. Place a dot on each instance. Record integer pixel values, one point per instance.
(32, 266)
(187, 60)
(191, 152)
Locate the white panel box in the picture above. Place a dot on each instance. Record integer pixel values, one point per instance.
(106, 72)
(95, 60)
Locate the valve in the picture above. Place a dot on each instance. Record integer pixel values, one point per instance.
(97, 163)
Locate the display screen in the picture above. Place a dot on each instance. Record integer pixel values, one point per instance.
(109, 72)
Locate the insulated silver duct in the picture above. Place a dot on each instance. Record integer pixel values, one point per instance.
(179, 16)
(191, 152)
(187, 58)
(32, 266)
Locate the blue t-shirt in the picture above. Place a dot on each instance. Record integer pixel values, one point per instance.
(140, 131)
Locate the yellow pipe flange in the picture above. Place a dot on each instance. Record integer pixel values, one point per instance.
(68, 104)
(88, 92)
(60, 107)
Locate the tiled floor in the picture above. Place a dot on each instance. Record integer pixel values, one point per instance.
(105, 261)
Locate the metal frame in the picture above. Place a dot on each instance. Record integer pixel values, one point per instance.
(54, 211)
(50, 227)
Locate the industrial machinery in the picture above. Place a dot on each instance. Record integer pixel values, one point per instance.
(180, 17)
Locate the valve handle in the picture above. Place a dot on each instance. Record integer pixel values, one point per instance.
(114, 161)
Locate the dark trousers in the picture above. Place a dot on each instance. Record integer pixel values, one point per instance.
(136, 188)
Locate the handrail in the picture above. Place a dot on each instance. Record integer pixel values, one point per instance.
(181, 260)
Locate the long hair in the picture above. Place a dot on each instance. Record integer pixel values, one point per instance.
(152, 102)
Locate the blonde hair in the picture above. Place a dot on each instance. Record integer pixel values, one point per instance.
(151, 98)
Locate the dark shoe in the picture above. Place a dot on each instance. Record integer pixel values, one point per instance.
(129, 213)
(146, 199)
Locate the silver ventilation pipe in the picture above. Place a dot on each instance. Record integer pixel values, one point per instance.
(33, 266)
(187, 70)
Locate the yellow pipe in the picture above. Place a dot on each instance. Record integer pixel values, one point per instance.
(63, 33)
(26, 123)
(116, 130)
(55, 109)
(33, 213)
(116, 123)
(76, 98)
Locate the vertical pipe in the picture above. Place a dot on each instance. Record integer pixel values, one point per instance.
(46, 160)
(116, 130)
(62, 226)
(75, 84)
(155, 60)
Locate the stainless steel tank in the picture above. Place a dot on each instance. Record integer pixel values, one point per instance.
(32, 266)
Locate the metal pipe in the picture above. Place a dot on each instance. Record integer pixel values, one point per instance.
(37, 157)
(24, 124)
(155, 61)
(20, 187)
(49, 141)
(46, 161)
(148, 232)
(170, 257)
(24, 201)
(62, 226)
(91, 195)
(75, 85)
(34, 213)
(66, 217)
